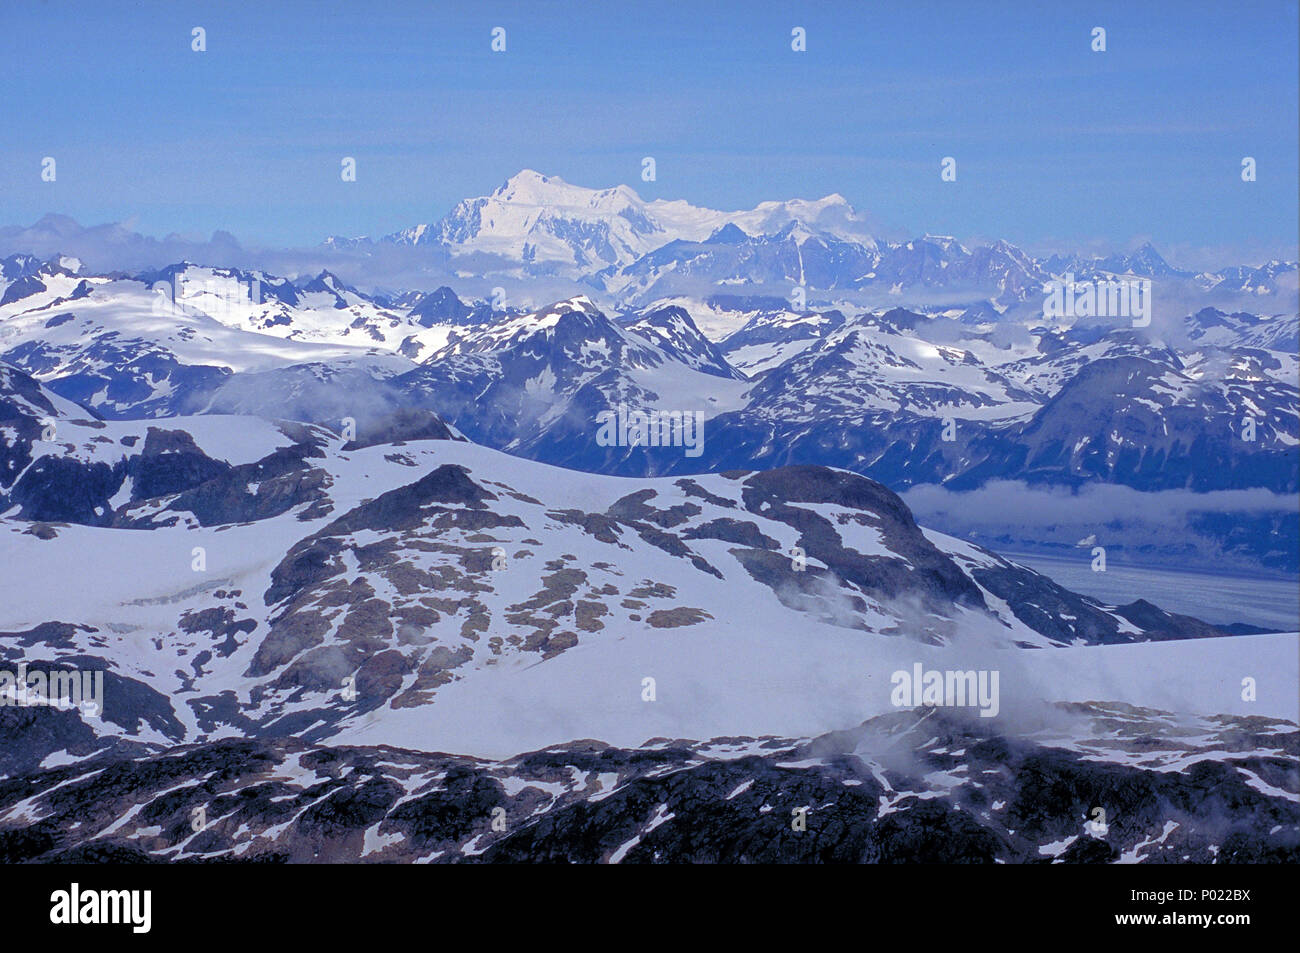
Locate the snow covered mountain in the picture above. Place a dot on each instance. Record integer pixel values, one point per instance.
(1058, 403)
(873, 395)
(295, 598)
(536, 384)
(550, 226)
(320, 531)
(537, 226)
(166, 342)
(537, 230)
(541, 225)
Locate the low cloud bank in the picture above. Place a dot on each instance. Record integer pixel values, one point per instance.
(1225, 530)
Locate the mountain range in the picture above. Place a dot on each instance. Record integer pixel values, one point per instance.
(537, 233)
(947, 397)
(536, 225)
(464, 569)
(285, 619)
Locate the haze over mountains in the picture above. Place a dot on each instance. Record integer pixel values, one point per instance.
(543, 238)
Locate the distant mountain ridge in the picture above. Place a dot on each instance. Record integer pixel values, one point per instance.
(547, 223)
(638, 250)
(865, 390)
(538, 230)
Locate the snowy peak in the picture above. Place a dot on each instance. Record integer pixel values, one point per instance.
(729, 234)
(550, 191)
(575, 322)
(326, 283)
(1145, 262)
(831, 216)
(441, 306)
(673, 332)
(527, 184)
(551, 226)
(547, 225)
(535, 225)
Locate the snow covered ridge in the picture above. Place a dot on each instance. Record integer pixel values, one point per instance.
(286, 580)
(287, 621)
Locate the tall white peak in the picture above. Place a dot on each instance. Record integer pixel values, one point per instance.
(539, 219)
(550, 191)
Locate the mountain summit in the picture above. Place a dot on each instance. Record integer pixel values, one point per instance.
(549, 224)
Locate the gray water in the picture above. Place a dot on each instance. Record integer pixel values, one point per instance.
(1264, 601)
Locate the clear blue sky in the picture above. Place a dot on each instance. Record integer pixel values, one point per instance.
(1056, 145)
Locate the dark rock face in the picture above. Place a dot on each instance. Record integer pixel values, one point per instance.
(273, 485)
(33, 733)
(399, 509)
(732, 531)
(874, 794)
(61, 489)
(909, 565)
(61, 486)
(1161, 625)
(64, 489)
(25, 409)
(169, 463)
(24, 287)
(1047, 608)
(443, 306)
(407, 423)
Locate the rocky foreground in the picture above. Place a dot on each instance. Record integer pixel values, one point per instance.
(1094, 783)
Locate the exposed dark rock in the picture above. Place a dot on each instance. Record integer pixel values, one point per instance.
(868, 795)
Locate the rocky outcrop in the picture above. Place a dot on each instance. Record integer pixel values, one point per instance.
(1091, 786)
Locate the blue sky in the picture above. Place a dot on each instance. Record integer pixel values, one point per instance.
(1057, 146)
